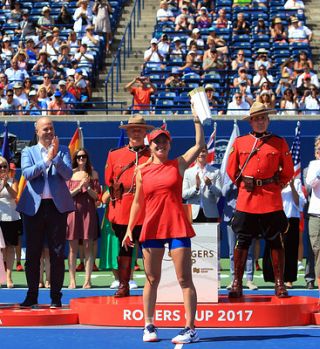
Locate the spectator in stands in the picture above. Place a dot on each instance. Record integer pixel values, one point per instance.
(238, 106)
(294, 5)
(2, 94)
(57, 105)
(84, 85)
(284, 83)
(67, 97)
(305, 87)
(34, 106)
(82, 17)
(64, 18)
(102, 10)
(141, 92)
(56, 41)
(245, 91)
(278, 31)
(195, 37)
(15, 13)
(44, 99)
(152, 55)
(203, 20)
(214, 40)
(262, 59)
(222, 20)
(178, 51)
(64, 58)
(298, 32)
(164, 46)
(184, 20)
(19, 94)
(49, 46)
(199, 54)
(7, 50)
(73, 42)
(310, 101)
(267, 98)
(192, 8)
(14, 73)
(48, 85)
(211, 61)
(43, 64)
(302, 62)
(73, 89)
(262, 76)
(261, 28)
(10, 105)
(174, 80)
(27, 86)
(260, 3)
(22, 58)
(241, 26)
(4, 80)
(31, 51)
(27, 28)
(164, 14)
(84, 58)
(308, 75)
(190, 66)
(213, 103)
(287, 67)
(46, 22)
(240, 61)
(242, 78)
(289, 103)
(90, 39)
(57, 71)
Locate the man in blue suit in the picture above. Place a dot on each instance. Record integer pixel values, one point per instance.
(44, 205)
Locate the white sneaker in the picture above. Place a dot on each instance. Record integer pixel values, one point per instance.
(300, 266)
(251, 286)
(186, 336)
(132, 285)
(115, 284)
(150, 334)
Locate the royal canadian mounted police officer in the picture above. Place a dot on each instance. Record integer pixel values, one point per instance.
(120, 177)
(260, 164)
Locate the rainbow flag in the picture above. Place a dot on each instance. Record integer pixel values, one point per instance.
(76, 141)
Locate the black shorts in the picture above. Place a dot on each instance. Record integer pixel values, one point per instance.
(251, 225)
(11, 231)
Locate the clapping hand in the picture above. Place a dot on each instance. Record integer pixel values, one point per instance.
(207, 181)
(53, 149)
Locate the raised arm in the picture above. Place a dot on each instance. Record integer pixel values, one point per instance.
(190, 155)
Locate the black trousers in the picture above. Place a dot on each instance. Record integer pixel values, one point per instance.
(49, 225)
(201, 218)
(120, 232)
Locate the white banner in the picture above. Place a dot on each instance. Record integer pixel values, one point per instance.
(205, 257)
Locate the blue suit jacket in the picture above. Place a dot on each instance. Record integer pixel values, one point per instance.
(33, 169)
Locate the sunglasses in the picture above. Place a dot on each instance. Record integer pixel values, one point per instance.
(10, 95)
(46, 77)
(82, 156)
(238, 97)
(3, 167)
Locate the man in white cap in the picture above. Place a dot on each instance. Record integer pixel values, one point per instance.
(120, 178)
(152, 55)
(260, 165)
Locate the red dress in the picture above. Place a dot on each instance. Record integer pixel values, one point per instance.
(164, 214)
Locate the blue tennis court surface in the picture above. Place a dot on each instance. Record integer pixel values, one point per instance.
(87, 337)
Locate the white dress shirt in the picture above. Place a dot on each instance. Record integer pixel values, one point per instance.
(46, 194)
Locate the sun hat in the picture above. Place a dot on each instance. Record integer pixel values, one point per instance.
(257, 109)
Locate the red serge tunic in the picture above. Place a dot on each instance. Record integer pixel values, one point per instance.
(164, 214)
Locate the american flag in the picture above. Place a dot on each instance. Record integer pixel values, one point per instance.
(295, 152)
(211, 145)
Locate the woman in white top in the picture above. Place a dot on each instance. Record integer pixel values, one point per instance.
(293, 202)
(10, 222)
(289, 104)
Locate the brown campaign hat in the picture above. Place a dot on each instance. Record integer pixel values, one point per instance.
(256, 109)
(137, 121)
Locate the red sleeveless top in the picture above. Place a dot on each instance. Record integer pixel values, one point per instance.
(164, 214)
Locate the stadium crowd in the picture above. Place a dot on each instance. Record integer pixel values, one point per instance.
(239, 51)
(51, 52)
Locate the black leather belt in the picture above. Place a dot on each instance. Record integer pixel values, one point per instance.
(261, 182)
